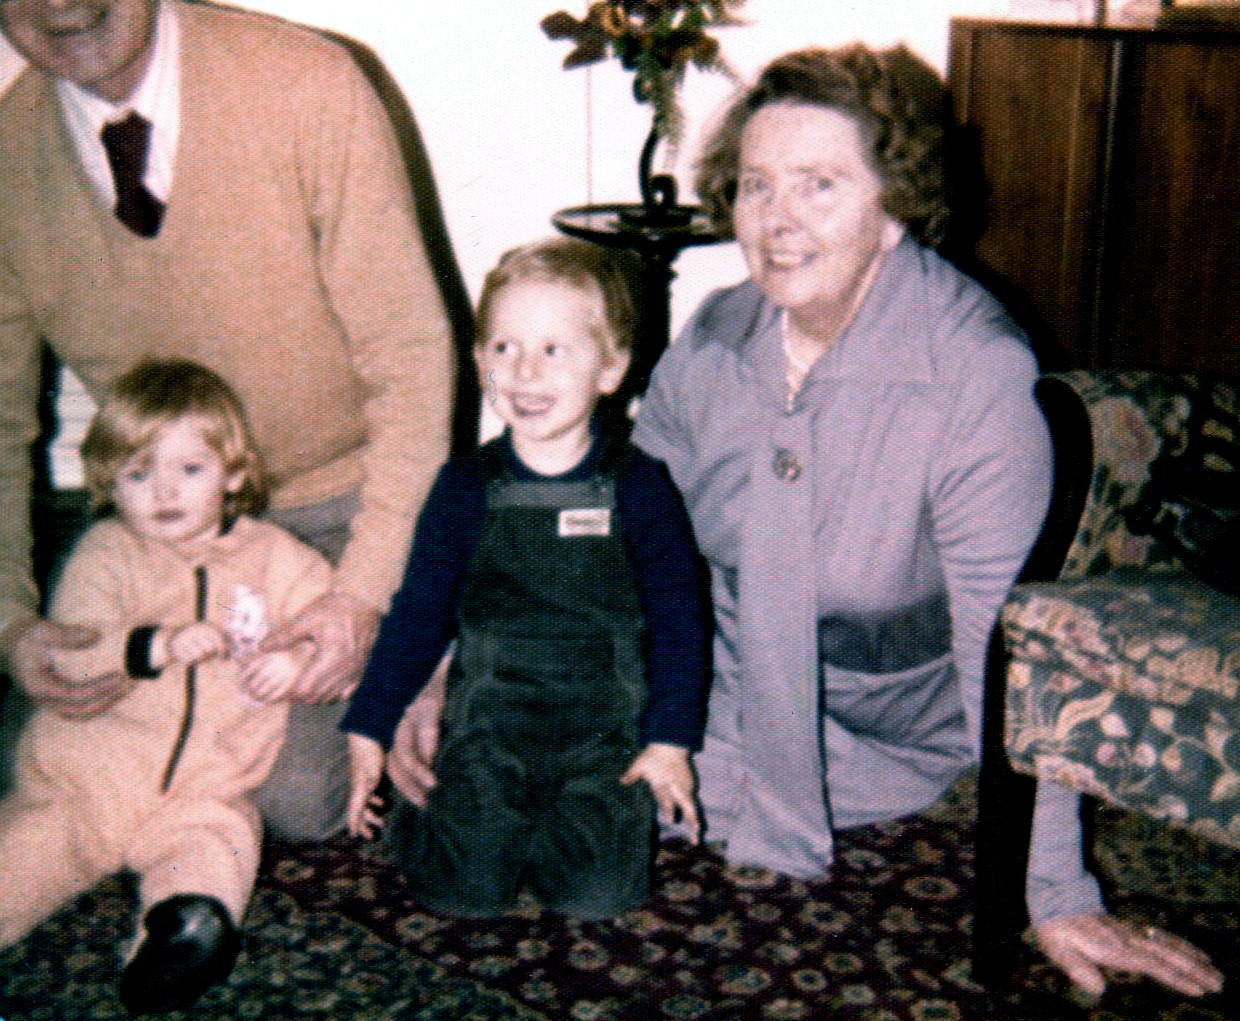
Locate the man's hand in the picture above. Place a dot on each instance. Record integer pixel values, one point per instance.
(31, 643)
(417, 738)
(1082, 945)
(342, 629)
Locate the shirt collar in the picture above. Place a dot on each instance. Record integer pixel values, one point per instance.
(584, 469)
(157, 98)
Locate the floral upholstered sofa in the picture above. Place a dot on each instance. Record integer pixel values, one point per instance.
(1124, 673)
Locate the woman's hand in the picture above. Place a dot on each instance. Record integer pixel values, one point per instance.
(665, 767)
(365, 772)
(1082, 945)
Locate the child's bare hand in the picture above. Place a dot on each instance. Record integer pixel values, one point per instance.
(665, 767)
(268, 676)
(196, 642)
(366, 761)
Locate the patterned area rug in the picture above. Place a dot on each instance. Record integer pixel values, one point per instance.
(317, 966)
(331, 934)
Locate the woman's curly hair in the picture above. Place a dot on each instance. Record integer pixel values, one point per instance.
(897, 100)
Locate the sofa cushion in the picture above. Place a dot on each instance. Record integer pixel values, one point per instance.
(1155, 634)
(1124, 686)
(1177, 763)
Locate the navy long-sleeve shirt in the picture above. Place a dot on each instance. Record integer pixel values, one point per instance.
(658, 541)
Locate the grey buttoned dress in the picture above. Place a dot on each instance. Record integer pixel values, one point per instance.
(861, 535)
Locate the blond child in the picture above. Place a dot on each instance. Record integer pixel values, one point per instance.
(561, 561)
(180, 583)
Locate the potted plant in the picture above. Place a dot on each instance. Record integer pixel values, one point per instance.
(657, 40)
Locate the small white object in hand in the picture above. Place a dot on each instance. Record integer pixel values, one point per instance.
(247, 623)
(247, 626)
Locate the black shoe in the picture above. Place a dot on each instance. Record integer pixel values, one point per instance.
(191, 943)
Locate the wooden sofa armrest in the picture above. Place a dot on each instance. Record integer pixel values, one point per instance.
(1072, 450)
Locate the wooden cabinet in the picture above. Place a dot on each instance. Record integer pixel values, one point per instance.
(1111, 167)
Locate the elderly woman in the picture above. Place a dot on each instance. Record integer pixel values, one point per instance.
(854, 432)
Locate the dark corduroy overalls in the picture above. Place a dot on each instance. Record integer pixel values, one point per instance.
(541, 717)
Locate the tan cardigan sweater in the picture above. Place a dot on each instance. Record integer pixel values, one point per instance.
(289, 261)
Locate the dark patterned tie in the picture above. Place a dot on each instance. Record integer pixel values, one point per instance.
(126, 143)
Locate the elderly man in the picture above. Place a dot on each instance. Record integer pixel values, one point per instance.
(186, 180)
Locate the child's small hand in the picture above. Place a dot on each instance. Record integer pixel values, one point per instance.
(193, 643)
(665, 767)
(268, 677)
(366, 761)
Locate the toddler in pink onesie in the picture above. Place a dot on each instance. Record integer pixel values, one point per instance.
(180, 582)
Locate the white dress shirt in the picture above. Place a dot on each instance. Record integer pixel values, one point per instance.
(157, 98)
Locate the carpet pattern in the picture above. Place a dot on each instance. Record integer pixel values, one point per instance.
(331, 934)
(317, 966)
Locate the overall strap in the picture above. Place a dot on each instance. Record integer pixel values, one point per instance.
(505, 489)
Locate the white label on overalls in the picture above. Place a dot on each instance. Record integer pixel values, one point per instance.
(585, 521)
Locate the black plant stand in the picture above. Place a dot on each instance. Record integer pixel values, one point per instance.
(657, 234)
